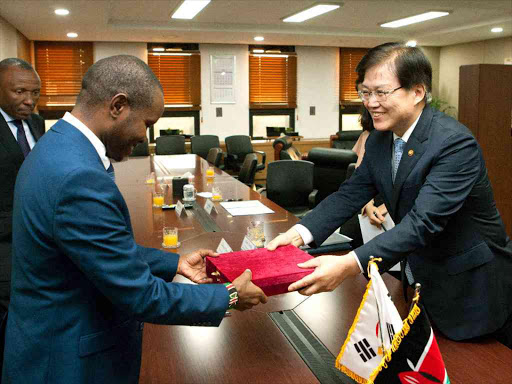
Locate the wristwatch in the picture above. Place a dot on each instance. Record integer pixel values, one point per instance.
(233, 295)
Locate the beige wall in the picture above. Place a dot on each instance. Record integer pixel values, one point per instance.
(106, 49)
(8, 40)
(493, 51)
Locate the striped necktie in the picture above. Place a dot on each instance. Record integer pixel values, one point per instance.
(399, 150)
(22, 138)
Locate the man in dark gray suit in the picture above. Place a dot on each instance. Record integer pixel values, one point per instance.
(19, 130)
(430, 171)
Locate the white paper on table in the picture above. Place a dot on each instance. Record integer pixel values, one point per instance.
(369, 231)
(224, 247)
(242, 208)
(206, 195)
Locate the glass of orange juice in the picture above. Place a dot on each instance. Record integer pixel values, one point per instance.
(170, 237)
(158, 199)
(210, 172)
(216, 194)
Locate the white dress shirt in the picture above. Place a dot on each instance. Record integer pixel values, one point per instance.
(95, 141)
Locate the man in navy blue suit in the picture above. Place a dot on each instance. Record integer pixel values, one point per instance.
(81, 286)
(430, 172)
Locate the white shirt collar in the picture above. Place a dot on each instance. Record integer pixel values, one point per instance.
(7, 117)
(409, 131)
(95, 141)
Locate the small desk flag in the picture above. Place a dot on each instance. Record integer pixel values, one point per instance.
(382, 349)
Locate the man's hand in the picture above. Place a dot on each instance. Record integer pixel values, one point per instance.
(193, 267)
(375, 214)
(330, 271)
(289, 237)
(249, 294)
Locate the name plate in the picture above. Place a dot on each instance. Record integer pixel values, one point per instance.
(179, 208)
(247, 244)
(209, 207)
(223, 247)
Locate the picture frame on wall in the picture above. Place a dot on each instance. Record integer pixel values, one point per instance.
(222, 79)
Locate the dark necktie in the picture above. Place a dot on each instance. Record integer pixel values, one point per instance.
(22, 138)
(111, 172)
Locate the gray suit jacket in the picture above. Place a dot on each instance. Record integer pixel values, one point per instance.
(448, 226)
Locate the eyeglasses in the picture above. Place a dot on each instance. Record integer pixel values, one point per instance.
(379, 95)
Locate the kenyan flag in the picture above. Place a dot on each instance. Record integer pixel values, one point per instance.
(415, 358)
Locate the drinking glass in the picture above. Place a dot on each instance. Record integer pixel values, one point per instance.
(158, 199)
(170, 237)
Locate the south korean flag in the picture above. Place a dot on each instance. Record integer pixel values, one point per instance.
(372, 331)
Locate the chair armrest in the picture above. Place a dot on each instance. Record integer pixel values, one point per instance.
(332, 138)
(312, 198)
(262, 191)
(263, 156)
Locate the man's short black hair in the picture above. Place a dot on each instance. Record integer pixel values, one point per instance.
(14, 62)
(119, 74)
(410, 64)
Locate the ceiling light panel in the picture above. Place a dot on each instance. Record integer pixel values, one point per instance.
(72, 35)
(61, 12)
(309, 13)
(497, 30)
(414, 19)
(189, 9)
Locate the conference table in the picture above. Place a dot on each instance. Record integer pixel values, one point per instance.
(292, 338)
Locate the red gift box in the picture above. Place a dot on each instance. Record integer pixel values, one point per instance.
(272, 271)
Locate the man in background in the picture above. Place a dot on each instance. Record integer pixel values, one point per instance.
(81, 285)
(19, 131)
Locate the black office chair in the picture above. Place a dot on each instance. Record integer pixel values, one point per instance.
(290, 185)
(331, 167)
(238, 146)
(170, 145)
(248, 169)
(200, 145)
(141, 149)
(214, 156)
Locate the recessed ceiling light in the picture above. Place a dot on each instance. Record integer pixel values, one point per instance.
(497, 30)
(189, 8)
(72, 34)
(411, 43)
(259, 38)
(258, 51)
(316, 10)
(414, 19)
(61, 12)
(158, 49)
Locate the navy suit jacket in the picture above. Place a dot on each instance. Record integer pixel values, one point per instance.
(448, 226)
(11, 158)
(81, 286)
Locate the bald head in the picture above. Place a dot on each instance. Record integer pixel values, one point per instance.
(119, 74)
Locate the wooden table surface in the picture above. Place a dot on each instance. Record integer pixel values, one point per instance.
(248, 347)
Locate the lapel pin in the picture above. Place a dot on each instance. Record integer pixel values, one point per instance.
(411, 152)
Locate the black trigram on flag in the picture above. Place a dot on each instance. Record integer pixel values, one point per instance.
(391, 331)
(365, 350)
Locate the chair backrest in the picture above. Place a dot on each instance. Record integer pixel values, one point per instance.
(330, 168)
(346, 139)
(248, 169)
(284, 149)
(170, 145)
(289, 183)
(214, 156)
(239, 144)
(141, 149)
(200, 145)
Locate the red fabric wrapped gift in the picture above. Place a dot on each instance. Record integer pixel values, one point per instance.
(272, 271)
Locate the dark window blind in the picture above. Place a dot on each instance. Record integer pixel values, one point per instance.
(61, 66)
(180, 76)
(349, 58)
(272, 81)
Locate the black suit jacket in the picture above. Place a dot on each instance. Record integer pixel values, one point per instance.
(447, 224)
(11, 159)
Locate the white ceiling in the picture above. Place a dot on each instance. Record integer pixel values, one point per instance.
(354, 24)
